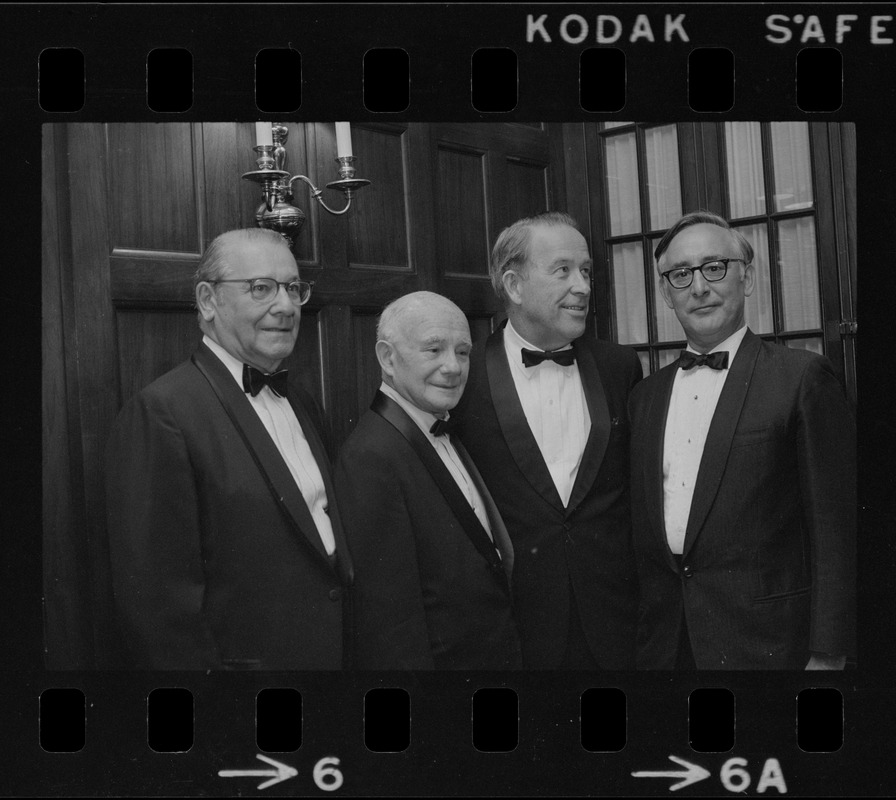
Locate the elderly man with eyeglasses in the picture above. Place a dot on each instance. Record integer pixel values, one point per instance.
(227, 551)
(743, 480)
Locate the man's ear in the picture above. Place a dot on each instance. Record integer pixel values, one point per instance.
(385, 354)
(749, 279)
(206, 301)
(511, 280)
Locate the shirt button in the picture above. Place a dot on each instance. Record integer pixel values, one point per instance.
(687, 571)
(335, 594)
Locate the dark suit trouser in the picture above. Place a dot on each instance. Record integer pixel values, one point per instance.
(578, 655)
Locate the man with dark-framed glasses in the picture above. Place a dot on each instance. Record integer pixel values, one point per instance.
(743, 480)
(227, 551)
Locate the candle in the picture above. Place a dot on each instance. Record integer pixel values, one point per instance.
(343, 139)
(263, 134)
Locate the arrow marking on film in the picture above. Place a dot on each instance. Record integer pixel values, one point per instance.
(691, 774)
(281, 772)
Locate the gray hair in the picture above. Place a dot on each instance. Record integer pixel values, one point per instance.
(698, 218)
(511, 250)
(214, 259)
(388, 327)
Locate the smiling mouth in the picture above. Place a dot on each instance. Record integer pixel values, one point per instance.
(574, 308)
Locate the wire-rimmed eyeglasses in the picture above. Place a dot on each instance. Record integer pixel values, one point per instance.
(712, 271)
(265, 289)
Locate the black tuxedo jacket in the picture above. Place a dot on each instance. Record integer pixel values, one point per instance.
(580, 553)
(216, 561)
(430, 590)
(768, 570)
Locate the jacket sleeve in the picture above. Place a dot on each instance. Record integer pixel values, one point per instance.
(390, 630)
(826, 441)
(154, 539)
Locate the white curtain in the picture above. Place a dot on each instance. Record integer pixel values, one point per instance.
(792, 166)
(758, 307)
(799, 274)
(746, 184)
(628, 289)
(663, 182)
(622, 184)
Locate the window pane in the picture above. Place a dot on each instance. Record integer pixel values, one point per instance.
(758, 307)
(668, 328)
(608, 125)
(746, 184)
(631, 301)
(799, 273)
(812, 343)
(793, 172)
(663, 183)
(622, 184)
(667, 357)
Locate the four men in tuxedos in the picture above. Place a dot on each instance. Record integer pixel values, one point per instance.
(733, 546)
(544, 418)
(227, 550)
(743, 480)
(433, 560)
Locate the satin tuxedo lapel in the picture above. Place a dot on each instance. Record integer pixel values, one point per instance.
(283, 488)
(599, 435)
(389, 410)
(655, 424)
(499, 531)
(514, 426)
(720, 435)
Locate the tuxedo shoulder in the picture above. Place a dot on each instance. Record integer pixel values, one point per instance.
(793, 360)
(654, 381)
(172, 384)
(610, 351)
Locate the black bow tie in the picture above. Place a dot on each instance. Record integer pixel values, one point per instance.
(442, 426)
(565, 358)
(254, 381)
(718, 360)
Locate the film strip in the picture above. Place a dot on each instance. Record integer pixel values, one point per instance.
(95, 729)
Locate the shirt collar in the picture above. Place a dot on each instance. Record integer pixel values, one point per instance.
(514, 343)
(423, 419)
(233, 364)
(731, 344)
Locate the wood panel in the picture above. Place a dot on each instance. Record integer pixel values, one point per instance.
(152, 190)
(367, 367)
(151, 342)
(378, 228)
(462, 224)
(66, 576)
(95, 358)
(527, 189)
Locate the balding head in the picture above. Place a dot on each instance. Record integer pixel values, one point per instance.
(423, 346)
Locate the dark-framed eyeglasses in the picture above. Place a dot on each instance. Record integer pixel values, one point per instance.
(712, 271)
(265, 289)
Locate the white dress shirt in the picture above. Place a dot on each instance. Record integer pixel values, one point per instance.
(280, 421)
(447, 453)
(695, 394)
(553, 401)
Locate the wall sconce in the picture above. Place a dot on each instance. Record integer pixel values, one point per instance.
(277, 211)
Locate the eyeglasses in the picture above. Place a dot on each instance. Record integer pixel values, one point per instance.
(712, 271)
(265, 289)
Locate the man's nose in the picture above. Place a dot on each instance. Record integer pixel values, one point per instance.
(282, 303)
(581, 283)
(450, 364)
(699, 284)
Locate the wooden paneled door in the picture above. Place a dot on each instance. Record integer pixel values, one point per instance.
(128, 210)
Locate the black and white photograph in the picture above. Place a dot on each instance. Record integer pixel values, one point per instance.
(449, 400)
